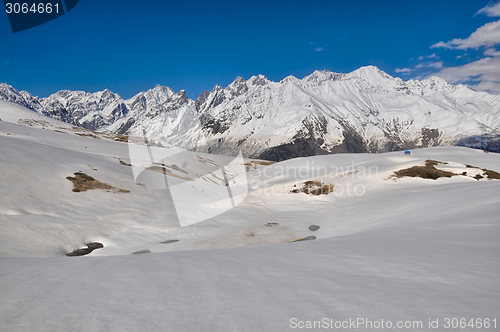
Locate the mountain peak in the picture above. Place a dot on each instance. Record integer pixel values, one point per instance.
(290, 78)
(257, 80)
(437, 79)
(371, 75)
(237, 87)
(106, 93)
(369, 72)
(163, 88)
(321, 72)
(159, 91)
(323, 75)
(216, 88)
(437, 83)
(238, 80)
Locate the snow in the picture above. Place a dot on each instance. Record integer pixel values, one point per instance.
(428, 265)
(11, 112)
(405, 249)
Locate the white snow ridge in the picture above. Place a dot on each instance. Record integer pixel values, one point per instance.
(366, 110)
(169, 237)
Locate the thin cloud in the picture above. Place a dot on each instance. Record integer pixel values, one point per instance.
(487, 35)
(432, 56)
(403, 70)
(491, 87)
(430, 64)
(484, 74)
(491, 10)
(317, 46)
(491, 52)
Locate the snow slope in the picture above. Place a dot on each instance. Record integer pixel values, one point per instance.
(14, 113)
(410, 249)
(35, 163)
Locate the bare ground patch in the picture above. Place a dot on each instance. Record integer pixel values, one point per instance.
(34, 123)
(314, 188)
(429, 171)
(307, 238)
(85, 251)
(164, 170)
(259, 162)
(491, 174)
(424, 172)
(115, 137)
(176, 168)
(98, 135)
(87, 135)
(206, 161)
(84, 182)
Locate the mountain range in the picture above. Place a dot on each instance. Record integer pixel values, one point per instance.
(366, 110)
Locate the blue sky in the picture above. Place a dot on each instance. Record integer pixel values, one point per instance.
(130, 46)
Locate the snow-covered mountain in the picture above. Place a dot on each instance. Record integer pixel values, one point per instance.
(162, 115)
(87, 110)
(366, 110)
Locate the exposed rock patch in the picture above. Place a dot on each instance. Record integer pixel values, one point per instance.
(425, 172)
(429, 171)
(85, 251)
(491, 174)
(259, 162)
(163, 169)
(124, 163)
(310, 237)
(169, 241)
(84, 182)
(314, 188)
(146, 251)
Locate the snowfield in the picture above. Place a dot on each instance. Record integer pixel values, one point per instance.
(392, 249)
